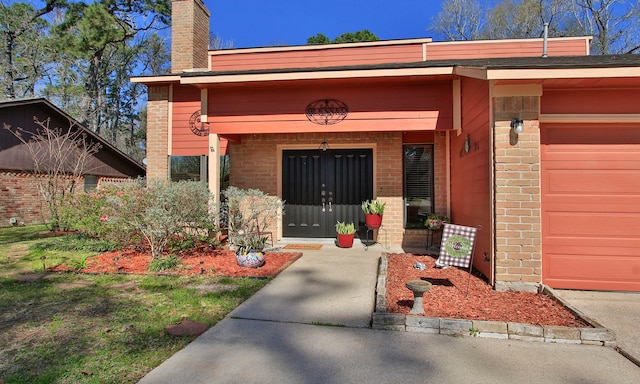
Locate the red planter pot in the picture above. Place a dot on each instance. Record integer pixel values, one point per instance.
(345, 241)
(373, 220)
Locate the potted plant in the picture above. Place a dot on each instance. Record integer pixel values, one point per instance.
(247, 213)
(373, 210)
(346, 234)
(250, 250)
(435, 222)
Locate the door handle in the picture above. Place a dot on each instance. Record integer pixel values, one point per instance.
(323, 209)
(330, 210)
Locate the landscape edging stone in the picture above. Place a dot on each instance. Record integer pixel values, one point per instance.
(598, 335)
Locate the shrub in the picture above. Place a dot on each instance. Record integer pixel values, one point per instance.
(164, 263)
(248, 209)
(157, 212)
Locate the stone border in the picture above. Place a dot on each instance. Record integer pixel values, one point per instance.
(597, 335)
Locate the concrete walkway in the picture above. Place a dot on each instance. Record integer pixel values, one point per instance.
(617, 311)
(280, 335)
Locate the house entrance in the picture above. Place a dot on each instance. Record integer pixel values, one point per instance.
(322, 187)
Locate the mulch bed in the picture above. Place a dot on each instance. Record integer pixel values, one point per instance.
(457, 294)
(206, 262)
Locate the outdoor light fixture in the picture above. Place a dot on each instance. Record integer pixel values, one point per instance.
(324, 146)
(517, 125)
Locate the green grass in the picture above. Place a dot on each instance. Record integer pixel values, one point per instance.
(18, 234)
(79, 328)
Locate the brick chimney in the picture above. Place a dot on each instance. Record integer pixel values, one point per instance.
(189, 35)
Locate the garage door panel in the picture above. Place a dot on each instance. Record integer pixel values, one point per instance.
(593, 248)
(592, 224)
(585, 272)
(590, 185)
(594, 182)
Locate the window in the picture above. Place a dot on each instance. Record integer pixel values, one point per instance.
(90, 182)
(418, 184)
(194, 168)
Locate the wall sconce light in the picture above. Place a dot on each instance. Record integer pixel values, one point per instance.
(324, 146)
(517, 125)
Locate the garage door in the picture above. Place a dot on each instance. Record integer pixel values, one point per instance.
(591, 207)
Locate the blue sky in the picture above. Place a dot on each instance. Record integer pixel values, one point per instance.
(257, 23)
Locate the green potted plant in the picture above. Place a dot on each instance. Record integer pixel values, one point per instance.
(250, 250)
(373, 211)
(435, 222)
(346, 234)
(246, 213)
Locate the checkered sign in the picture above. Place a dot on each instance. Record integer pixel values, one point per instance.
(456, 248)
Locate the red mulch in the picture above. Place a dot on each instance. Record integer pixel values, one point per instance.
(447, 299)
(214, 262)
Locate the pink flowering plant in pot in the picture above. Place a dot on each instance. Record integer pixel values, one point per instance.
(435, 221)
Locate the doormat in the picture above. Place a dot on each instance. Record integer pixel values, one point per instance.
(303, 246)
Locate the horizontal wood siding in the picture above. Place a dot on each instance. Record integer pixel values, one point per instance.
(470, 172)
(186, 101)
(507, 48)
(326, 57)
(577, 101)
(415, 106)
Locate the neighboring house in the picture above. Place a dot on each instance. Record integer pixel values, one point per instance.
(425, 127)
(20, 201)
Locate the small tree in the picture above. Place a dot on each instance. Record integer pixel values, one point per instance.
(60, 158)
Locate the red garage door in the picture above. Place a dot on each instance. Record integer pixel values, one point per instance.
(591, 206)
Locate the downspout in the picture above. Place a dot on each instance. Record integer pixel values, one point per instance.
(545, 39)
(492, 186)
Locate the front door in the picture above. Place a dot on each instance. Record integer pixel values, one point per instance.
(322, 187)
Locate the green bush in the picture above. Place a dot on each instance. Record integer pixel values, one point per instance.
(164, 263)
(156, 213)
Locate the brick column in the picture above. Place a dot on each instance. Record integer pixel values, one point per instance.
(158, 133)
(518, 257)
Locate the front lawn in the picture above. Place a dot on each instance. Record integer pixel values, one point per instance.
(102, 328)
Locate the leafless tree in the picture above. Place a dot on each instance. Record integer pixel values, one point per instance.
(60, 159)
(459, 20)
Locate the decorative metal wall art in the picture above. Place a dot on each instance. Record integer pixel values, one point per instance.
(327, 111)
(197, 126)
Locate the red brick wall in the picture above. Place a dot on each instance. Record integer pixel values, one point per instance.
(20, 198)
(518, 255)
(254, 163)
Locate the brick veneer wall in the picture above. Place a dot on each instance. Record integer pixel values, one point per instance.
(158, 133)
(253, 164)
(189, 35)
(20, 198)
(518, 255)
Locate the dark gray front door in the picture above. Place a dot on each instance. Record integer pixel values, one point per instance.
(322, 187)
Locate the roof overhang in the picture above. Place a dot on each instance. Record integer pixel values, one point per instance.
(210, 78)
(522, 68)
(156, 80)
(488, 73)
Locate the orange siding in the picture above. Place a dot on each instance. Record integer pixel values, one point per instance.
(506, 48)
(321, 57)
(470, 172)
(414, 106)
(591, 206)
(186, 101)
(590, 101)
